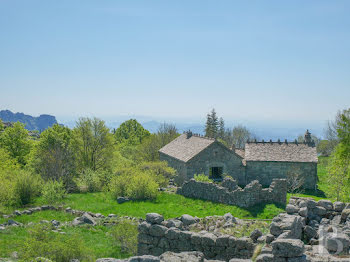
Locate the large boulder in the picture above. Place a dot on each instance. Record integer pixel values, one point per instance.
(327, 204)
(88, 219)
(255, 235)
(284, 222)
(154, 218)
(188, 220)
(345, 213)
(339, 206)
(287, 248)
(292, 209)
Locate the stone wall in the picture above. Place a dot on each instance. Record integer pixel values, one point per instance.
(324, 226)
(217, 155)
(157, 236)
(250, 195)
(265, 172)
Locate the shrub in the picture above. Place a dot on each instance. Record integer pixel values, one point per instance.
(53, 192)
(142, 186)
(124, 235)
(202, 178)
(137, 185)
(26, 187)
(162, 172)
(89, 181)
(8, 171)
(118, 185)
(42, 242)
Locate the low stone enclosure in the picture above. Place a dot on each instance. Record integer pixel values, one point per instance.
(309, 231)
(229, 193)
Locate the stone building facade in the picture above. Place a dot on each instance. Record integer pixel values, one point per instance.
(263, 161)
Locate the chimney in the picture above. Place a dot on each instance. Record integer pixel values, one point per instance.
(307, 137)
(188, 134)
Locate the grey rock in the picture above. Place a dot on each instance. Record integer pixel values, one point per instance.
(173, 223)
(157, 230)
(265, 258)
(11, 222)
(122, 200)
(188, 220)
(339, 206)
(287, 247)
(303, 211)
(154, 218)
(144, 258)
(255, 235)
(193, 256)
(144, 227)
(230, 218)
(112, 216)
(292, 209)
(310, 232)
(269, 238)
(88, 219)
(320, 211)
(344, 214)
(327, 204)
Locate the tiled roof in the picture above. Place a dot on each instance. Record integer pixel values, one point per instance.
(281, 152)
(184, 148)
(240, 152)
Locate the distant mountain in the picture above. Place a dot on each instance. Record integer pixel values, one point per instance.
(39, 123)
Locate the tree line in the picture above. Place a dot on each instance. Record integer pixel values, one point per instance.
(86, 158)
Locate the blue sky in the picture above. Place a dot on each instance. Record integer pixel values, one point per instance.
(286, 61)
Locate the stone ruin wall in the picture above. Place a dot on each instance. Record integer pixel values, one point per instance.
(157, 236)
(229, 193)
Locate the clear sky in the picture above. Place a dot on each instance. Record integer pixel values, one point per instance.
(279, 60)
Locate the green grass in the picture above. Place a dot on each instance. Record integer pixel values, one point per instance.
(42, 215)
(96, 239)
(11, 240)
(169, 205)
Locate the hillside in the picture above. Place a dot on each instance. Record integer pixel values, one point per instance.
(39, 123)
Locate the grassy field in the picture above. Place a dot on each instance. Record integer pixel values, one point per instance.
(98, 239)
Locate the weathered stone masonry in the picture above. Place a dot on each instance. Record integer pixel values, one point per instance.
(157, 236)
(192, 154)
(229, 193)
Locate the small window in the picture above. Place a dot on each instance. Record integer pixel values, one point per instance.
(215, 173)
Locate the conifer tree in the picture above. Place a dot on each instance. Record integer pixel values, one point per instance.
(221, 133)
(208, 126)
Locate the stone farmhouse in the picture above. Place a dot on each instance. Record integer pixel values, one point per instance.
(192, 154)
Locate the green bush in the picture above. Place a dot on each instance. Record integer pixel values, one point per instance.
(137, 185)
(202, 178)
(142, 186)
(26, 187)
(89, 181)
(162, 172)
(124, 235)
(42, 242)
(53, 192)
(118, 185)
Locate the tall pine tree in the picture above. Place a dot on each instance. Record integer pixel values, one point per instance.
(212, 125)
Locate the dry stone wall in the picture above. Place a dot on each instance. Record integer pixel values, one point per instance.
(157, 236)
(229, 193)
